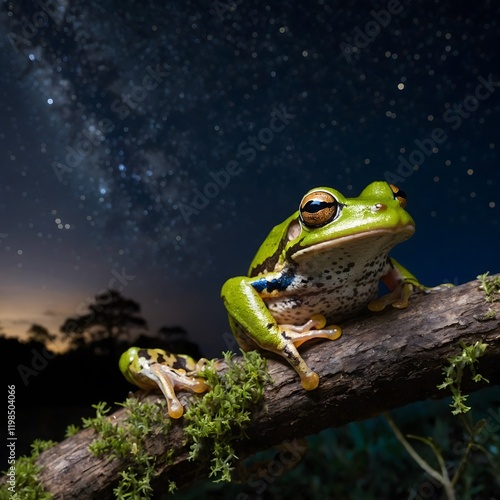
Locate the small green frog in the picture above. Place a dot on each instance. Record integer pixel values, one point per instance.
(151, 368)
(321, 265)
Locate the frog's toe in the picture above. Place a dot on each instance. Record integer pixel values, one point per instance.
(175, 409)
(331, 332)
(199, 385)
(309, 380)
(381, 303)
(404, 298)
(398, 298)
(317, 321)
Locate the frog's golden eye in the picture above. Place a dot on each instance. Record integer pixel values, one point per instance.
(399, 195)
(318, 208)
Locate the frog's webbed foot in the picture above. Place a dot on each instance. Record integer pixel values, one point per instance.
(398, 298)
(294, 336)
(169, 379)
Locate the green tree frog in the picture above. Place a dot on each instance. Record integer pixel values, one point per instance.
(321, 265)
(151, 368)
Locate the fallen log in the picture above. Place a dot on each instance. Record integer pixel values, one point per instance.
(382, 361)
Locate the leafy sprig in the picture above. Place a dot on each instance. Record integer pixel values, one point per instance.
(455, 370)
(490, 285)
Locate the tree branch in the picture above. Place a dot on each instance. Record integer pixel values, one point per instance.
(382, 361)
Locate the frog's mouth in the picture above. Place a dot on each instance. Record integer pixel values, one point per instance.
(384, 237)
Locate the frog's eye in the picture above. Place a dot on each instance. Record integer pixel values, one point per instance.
(318, 208)
(399, 195)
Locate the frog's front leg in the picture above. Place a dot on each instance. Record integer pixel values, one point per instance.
(254, 326)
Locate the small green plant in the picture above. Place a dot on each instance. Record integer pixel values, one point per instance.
(71, 430)
(490, 285)
(455, 370)
(127, 440)
(172, 487)
(26, 485)
(218, 419)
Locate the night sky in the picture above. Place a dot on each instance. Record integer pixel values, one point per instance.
(151, 146)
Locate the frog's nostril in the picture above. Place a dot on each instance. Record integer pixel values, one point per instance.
(379, 207)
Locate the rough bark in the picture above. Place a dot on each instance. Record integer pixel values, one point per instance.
(382, 361)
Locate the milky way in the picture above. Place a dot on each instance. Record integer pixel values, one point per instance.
(169, 139)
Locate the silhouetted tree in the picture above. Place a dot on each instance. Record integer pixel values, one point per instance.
(38, 333)
(110, 318)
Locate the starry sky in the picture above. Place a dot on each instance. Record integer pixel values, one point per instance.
(150, 147)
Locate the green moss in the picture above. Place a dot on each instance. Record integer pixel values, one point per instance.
(455, 370)
(214, 422)
(26, 485)
(134, 484)
(490, 285)
(128, 440)
(219, 419)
